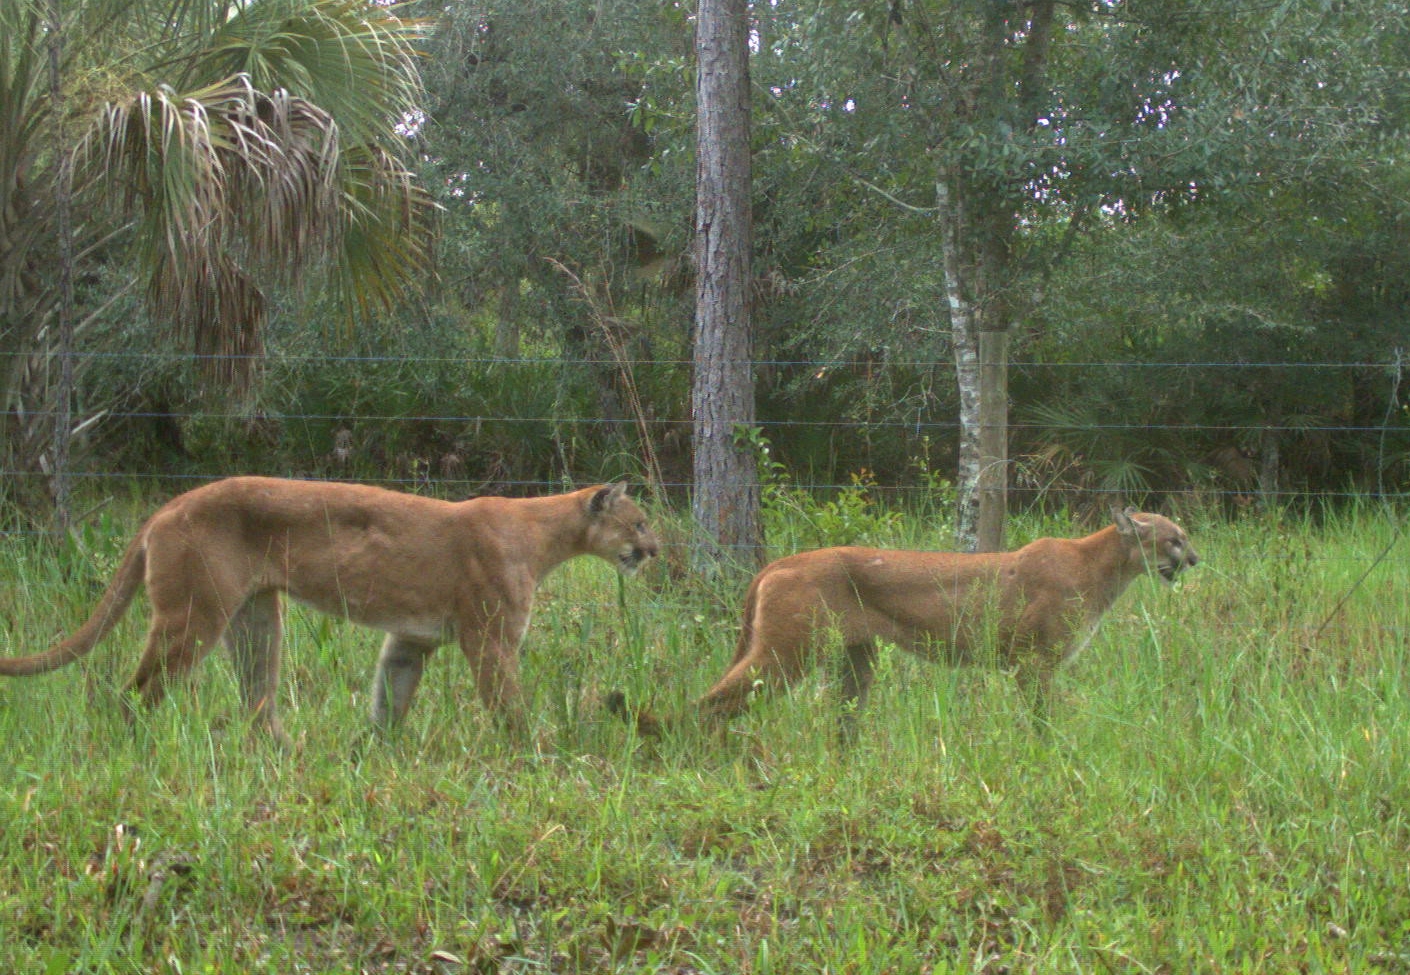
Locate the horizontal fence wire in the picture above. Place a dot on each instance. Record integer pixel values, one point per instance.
(764, 424)
(277, 405)
(608, 361)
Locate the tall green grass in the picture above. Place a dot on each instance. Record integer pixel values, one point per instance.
(1224, 790)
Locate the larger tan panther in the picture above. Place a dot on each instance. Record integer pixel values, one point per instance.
(1030, 609)
(427, 572)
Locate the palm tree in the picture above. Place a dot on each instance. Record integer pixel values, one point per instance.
(230, 144)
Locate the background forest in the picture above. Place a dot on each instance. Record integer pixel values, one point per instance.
(449, 247)
(1200, 212)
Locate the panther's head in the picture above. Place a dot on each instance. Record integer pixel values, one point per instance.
(1158, 543)
(618, 531)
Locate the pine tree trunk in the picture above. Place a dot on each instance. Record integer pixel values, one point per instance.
(726, 497)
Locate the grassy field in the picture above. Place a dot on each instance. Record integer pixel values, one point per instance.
(1225, 791)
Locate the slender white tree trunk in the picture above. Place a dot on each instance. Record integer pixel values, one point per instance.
(964, 340)
(980, 344)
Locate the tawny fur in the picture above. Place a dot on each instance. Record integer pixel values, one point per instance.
(425, 571)
(1028, 610)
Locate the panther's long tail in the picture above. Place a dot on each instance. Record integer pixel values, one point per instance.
(646, 724)
(113, 603)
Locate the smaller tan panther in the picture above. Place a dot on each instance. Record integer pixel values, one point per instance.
(427, 572)
(1031, 609)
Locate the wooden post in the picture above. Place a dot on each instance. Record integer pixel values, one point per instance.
(993, 439)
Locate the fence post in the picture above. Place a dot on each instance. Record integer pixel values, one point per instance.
(993, 439)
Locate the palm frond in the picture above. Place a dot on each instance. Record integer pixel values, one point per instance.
(356, 60)
(224, 180)
(220, 308)
(22, 114)
(248, 141)
(386, 240)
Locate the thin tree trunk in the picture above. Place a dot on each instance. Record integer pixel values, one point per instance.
(976, 225)
(506, 326)
(964, 340)
(972, 262)
(726, 496)
(1269, 466)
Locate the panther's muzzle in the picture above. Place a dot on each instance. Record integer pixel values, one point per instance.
(1171, 568)
(634, 558)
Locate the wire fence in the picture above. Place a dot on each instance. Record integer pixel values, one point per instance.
(459, 438)
(509, 425)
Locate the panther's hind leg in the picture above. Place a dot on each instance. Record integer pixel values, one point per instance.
(858, 672)
(1035, 681)
(399, 671)
(178, 638)
(253, 639)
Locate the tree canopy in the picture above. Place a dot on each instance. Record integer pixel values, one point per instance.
(1213, 196)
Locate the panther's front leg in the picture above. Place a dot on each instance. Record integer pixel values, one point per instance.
(492, 650)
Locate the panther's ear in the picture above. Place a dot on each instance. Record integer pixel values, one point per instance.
(1124, 523)
(604, 498)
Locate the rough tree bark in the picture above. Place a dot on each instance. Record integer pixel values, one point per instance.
(726, 495)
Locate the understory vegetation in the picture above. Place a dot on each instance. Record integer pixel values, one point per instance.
(1223, 789)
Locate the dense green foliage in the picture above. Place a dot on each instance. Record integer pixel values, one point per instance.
(1214, 202)
(1224, 790)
